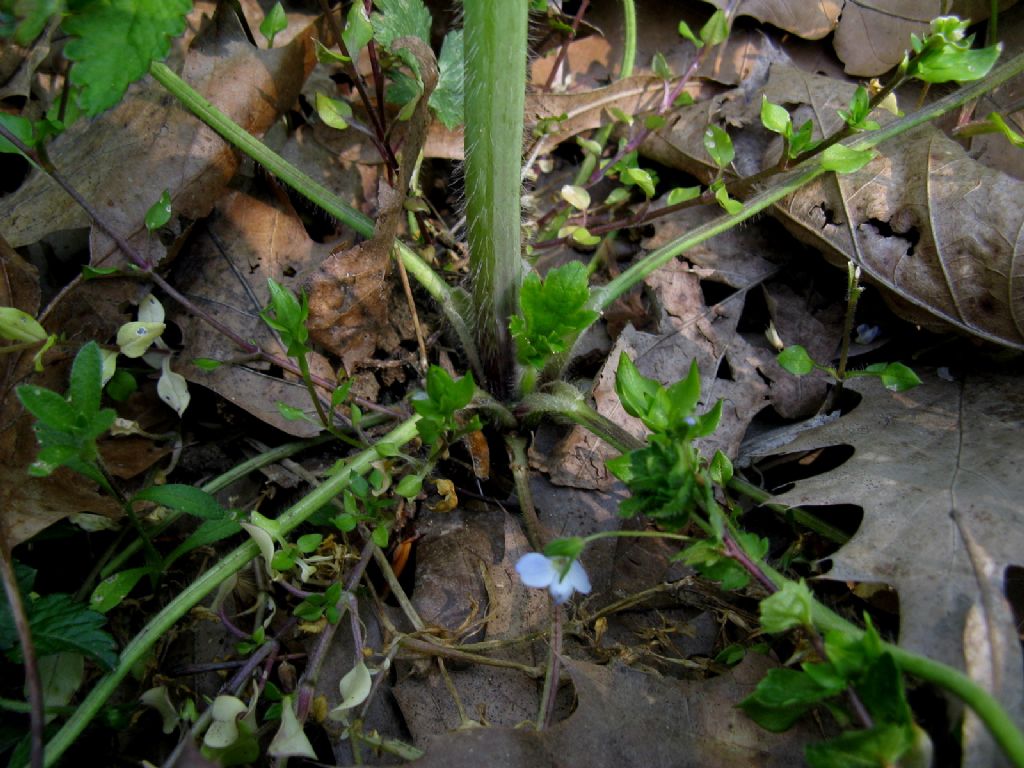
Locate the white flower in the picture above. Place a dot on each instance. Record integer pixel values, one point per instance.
(536, 570)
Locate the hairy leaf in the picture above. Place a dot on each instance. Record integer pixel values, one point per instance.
(400, 18)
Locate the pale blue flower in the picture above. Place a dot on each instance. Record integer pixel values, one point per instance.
(536, 570)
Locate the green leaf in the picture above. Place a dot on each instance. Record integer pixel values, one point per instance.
(795, 360)
(997, 121)
(409, 486)
(16, 325)
(879, 746)
(325, 55)
(687, 34)
(788, 608)
(636, 392)
(398, 18)
(115, 588)
(732, 207)
(333, 112)
(551, 312)
(641, 178)
(159, 213)
(576, 196)
(31, 16)
(114, 43)
(721, 469)
(290, 413)
(581, 236)
(134, 339)
(86, 388)
(719, 146)
(358, 30)
(380, 536)
(206, 363)
(783, 696)
(308, 543)
(275, 21)
(682, 194)
(661, 67)
(59, 624)
(895, 376)
(22, 129)
(684, 394)
(775, 118)
(961, 66)
(447, 98)
(842, 159)
(50, 408)
(183, 498)
(570, 547)
(716, 29)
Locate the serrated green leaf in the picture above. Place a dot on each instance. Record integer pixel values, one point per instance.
(59, 624)
(551, 312)
(275, 21)
(843, 159)
(788, 608)
(795, 360)
(114, 43)
(112, 590)
(398, 18)
(183, 498)
(783, 696)
(883, 744)
(447, 98)
(16, 325)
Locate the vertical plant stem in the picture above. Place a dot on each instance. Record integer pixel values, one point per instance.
(495, 50)
(33, 682)
(547, 697)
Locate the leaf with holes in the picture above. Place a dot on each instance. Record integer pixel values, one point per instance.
(937, 470)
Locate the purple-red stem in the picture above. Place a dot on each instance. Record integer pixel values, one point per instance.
(564, 50)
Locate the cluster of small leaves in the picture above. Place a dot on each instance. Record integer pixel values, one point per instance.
(438, 404)
(321, 604)
(785, 695)
(551, 313)
(287, 315)
(67, 426)
(289, 555)
(664, 476)
(365, 501)
(719, 146)
(945, 54)
(111, 45)
(895, 376)
(58, 624)
(857, 117)
(777, 120)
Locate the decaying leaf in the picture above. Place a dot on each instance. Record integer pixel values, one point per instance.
(932, 467)
(625, 717)
(808, 20)
(122, 161)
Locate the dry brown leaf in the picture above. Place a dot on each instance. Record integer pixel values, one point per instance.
(872, 36)
(122, 161)
(933, 226)
(931, 466)
(249, 240)
(625, 717)
(811, 20)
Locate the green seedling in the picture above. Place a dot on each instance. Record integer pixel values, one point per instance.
(274, 22)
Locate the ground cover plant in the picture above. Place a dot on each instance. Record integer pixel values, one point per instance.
(533, 411)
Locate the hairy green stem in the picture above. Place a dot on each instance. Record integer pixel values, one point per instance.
(231, 563)
(448, 299)
(495, 50)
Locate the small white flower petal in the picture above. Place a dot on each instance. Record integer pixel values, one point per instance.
(561, 591)
(578, 578)
(536, 571)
